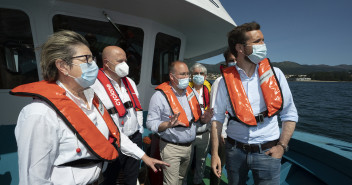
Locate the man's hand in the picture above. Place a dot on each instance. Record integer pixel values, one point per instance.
(222, 141)
(174, 121)
(154, 164)
(216, 165)
(276, 152)
(208, 114)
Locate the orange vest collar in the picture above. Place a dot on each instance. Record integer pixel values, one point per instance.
(75, 118)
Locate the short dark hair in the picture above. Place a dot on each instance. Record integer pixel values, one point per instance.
(226, 53)
(238, 35)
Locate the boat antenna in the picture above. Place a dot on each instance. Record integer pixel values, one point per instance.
(119, 31)
(108, 18)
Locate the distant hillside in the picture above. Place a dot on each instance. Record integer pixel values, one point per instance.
(288, 67)
(211, 68)
(298, 69)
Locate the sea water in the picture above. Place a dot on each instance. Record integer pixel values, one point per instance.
(324, 108)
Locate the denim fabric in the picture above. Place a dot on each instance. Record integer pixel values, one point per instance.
(265, 169)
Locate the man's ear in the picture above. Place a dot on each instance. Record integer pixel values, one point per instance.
(171, 77)
(105, 63)
(62, 66)
(239, 48)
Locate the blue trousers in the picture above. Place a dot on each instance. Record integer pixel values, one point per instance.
(265, 169)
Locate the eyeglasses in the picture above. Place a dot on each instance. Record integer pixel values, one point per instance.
(87, 58)
(186, 74)
(200, 73)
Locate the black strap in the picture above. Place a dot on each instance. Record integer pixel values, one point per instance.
(81, 163)
(127, 104)
(259, 118)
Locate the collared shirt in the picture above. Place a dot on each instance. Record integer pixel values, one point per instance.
(159, 111)
(201, 127)
(133, 121)
(214, 90)
(267, 131)
(44, 142)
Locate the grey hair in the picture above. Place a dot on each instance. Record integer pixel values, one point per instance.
(201, 66)
(59, 45)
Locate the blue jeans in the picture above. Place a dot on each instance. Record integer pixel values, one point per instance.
(265, 169)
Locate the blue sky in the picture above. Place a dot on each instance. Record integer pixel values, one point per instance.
(303, 31)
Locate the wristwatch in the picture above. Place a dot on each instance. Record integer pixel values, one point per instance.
(285, 147)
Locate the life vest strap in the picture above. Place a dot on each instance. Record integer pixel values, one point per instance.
(127, 104)
(259, 118)
(81, 163)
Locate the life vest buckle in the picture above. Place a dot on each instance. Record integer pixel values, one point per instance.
(128, 104)
(246, 147)
(261, 118)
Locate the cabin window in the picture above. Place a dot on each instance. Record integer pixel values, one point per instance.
(100, 34)
(17, 58)
(167, 50)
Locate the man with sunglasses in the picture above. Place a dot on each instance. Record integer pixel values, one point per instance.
(253, 93)
(120, 96)
(173, 112)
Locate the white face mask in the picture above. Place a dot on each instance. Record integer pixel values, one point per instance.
(258, 54)
(121, 69)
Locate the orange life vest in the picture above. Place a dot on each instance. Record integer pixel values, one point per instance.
(206, 93)
(76, 119)
(238, 99)
(114, 96)
(176, 106)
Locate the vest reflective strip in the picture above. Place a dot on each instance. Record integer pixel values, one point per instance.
(265, 77)
(75, 118)
(113, 95)
(176, 106)
(270, 87)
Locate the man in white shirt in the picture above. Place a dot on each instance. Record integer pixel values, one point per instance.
(120, 96)
(230, 60)
(253, 93)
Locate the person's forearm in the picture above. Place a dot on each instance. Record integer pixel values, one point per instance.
(163, 126)
(288, 127)
(216, 128)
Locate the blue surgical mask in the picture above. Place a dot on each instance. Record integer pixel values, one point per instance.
(198, 79)
(230, 64)
(89, 74)
(182, 83)
(258, 54)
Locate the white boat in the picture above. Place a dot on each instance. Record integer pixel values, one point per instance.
(154, 33)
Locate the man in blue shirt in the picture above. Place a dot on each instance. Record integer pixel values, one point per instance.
(173, 109)
(253, 93)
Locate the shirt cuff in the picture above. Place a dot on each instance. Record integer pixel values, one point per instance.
(155, 126)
